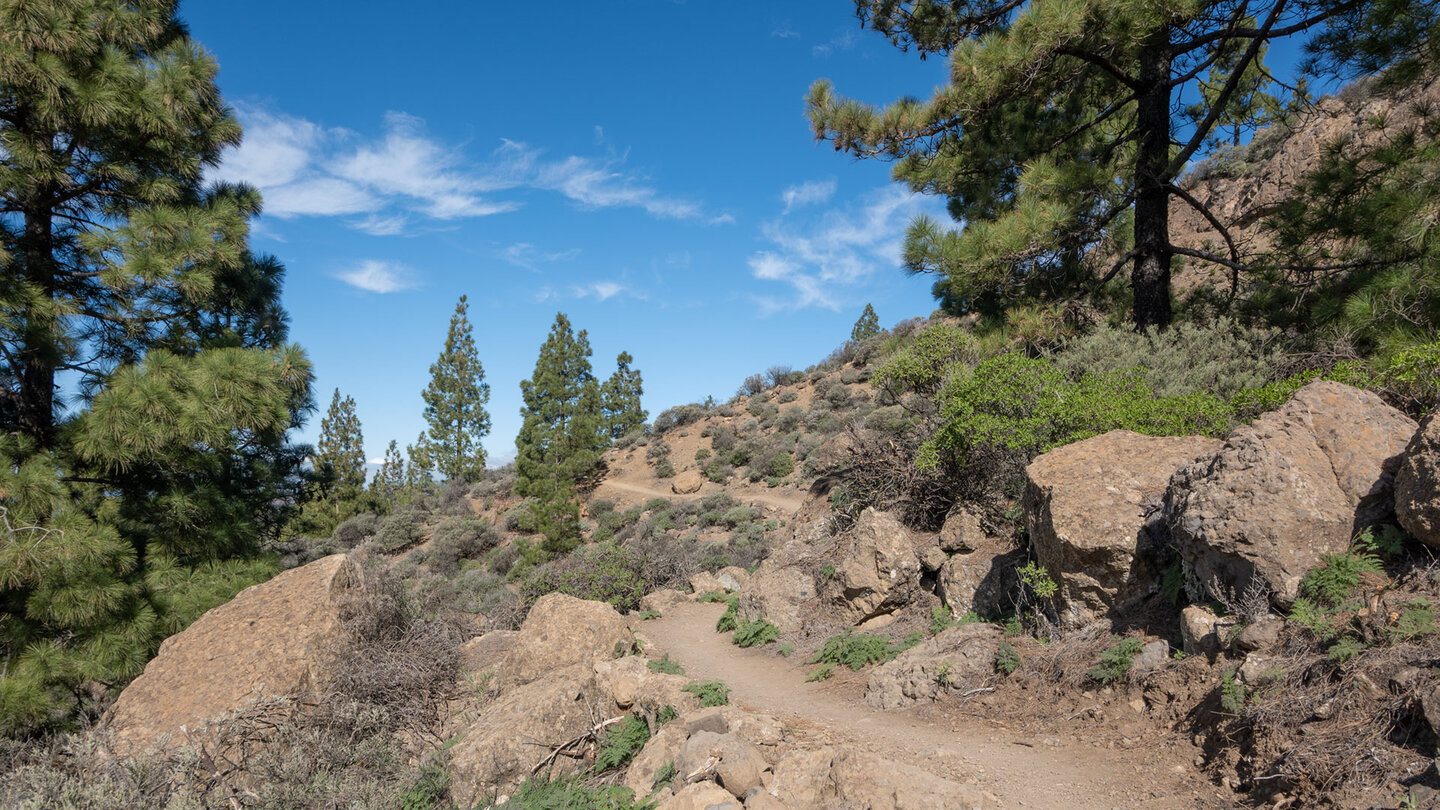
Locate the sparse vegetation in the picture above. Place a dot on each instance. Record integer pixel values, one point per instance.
(710, 693)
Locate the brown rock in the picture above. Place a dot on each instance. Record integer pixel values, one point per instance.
(878, 570)
(273, 640)
(512, 734)
(962, 532)
(778, 592)
(705, 582)
(663, 599)
(1292, 485)
(701, 796)
(687, 482)
(1088, 507)
(737, 763)
(562, 631)
(659, 751)
(982, 581)
(1262, 634)
(957, 658)
(733, 577)
(485, 653)
(829, 778)
(630, 683)
(1417, 484)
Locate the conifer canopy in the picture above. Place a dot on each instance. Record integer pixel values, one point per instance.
(620, 398)
(455, 404)
(1059, 139)
(866, 326)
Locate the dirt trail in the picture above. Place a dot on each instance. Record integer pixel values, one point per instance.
(786, 505)
(1021, 770)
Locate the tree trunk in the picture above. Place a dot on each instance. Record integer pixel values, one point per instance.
(1150, 280)
(38, 355)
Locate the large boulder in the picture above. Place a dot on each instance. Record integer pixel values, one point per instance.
(1294, 484)
(736, 764)
(779, 593)
(878, 570)
(519, 730)
(559, 632)
(1417, 484)
(1089, 507)
(273, 640)
(827, 778)
(687, 482)
(758, 734)
(957, 658)
(982, 580)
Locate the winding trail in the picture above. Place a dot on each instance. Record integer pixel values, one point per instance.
(786, 505)
(1019, 770)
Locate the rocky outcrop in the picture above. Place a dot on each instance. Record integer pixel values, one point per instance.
(877, 570)
(780, 589)
(273, 640)
(1417, 484)
(705, 582)
(982, 581)
(1091, 509)
(832, 777)
(1292, 485)
(748, 740)
(687, 482)
(562, 631)
(957, 658)
(962, 532)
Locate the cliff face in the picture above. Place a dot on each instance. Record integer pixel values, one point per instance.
(1242, 186)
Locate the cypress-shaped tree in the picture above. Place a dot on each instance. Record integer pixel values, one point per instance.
(1058, 137)
(124, 278)
(390, 479)
(562, 435)
(866, 326)
(620, 398)
(340, 451)
(455, 404)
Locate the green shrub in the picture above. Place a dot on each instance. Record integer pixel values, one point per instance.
(710, 693)
(1115, 661)
(755, 633)
(1335, 580)
(940, 619)
(702, 454)
(923, 364)
(657, 505)
(717, 471)
(781, 465)
(1007, 658)
(567, 792)
(665, 666)
(604, 572)
(664, 776)
(459, 538)
(1221, 358)
(784, 650)
(740, 515)
(520, 518)
(1039, 580)
(665, 469)
(1232, 692)
(356, 530)
(622, 742)
(788, 396)
(729, 620)
(678, 416)
(855, 650)
(821, 674)
(400, 530)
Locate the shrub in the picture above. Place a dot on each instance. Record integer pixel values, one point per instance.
(729, 620)
(678, 416)
(755, 633)
(821, 674)
(1221, 358)
(456, 539)
(924, 363)
(356, 530)
(604, 572)
(400, 530)
(665, 666)
(1007, 658)
(1232, 692)
(710, 693)
(571, 792)
(788, 396)
(520, 518)
(665, 469)
(502, 559)
(751, 385)
(1115, 661)
(740, 515)
(622, 742)
(940, 619)
(855, 650)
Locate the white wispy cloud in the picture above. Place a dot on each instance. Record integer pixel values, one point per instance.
(822, 259)
(810, 193)
(526, 255)
(406, 176)
(379, 276)
(600, 290)
(843, 41)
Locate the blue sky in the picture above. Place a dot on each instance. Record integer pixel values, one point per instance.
(643, 166)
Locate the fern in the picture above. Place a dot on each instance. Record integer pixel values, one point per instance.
(710, 693)
(855, 651)
(755, 633)
(1116, 661)
(1232, 692)
(622, 742)
(1007, 658)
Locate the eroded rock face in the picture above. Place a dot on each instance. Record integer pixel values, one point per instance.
(878, 570)
(520, 728)
(982, 580)
(1089, 507)
(778, 592)
(957, 658)
(1417, 484)
(749, 739)
(1292, 485)
(832, 777)
(559, 632)
(272, 640)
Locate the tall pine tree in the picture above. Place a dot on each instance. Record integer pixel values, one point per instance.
(620, 398)
(455, 404)
(562, 435)
(390, 479)
(1058, 138)
(866, 326)
(128, 282)
(340, 451)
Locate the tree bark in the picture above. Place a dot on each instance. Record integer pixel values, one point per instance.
(1150, 279)
(39, 354)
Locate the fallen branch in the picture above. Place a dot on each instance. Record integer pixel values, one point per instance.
(589, 734)
(704, 772)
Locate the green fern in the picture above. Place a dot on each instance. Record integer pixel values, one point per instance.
(622, 742)
(755, 633)
(1116, 661)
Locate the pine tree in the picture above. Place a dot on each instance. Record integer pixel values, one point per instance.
(390, 479)
(620, 398)
(868, 325)
(1057, 136)
(455, 404)
(419, 463)
(562, 435)
(127, 280)
(340, 452)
